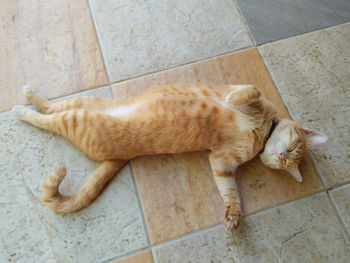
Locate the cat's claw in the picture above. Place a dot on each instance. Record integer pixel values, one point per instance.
(19, 111)
(232, 216)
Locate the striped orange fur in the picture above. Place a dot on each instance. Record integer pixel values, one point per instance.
(230, 121)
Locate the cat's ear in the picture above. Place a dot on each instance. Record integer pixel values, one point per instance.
(314, 137)
(295, 173)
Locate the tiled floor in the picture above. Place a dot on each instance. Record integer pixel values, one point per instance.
(167, 208)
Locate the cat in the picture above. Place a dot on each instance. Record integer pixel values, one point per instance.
(234, 122)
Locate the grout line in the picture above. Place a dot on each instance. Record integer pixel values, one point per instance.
(104, 59)
(291, 115)
(318, 171)
(196, 232)
(225, 53)
(207, 229)
(111, 91)
(302, 34)
(245, 22)
(187, 63)
(130, 253)
(311, 154)
(335, 207)
(286, 203)
(275, 85)
(166, 242)
(140, 205)
(155, 260)
(340, 186)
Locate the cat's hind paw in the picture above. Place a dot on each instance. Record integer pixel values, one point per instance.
(20, 111)
(232, 216)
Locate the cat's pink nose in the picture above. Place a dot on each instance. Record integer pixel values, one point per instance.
(281, 156)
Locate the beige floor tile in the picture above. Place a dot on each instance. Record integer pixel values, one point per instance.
(141, 257)
(178, 194)
(51, 45)
(303, 231)
(139, 37)
(31, 232)
(312, 74)
(260, 187)
(341, 198)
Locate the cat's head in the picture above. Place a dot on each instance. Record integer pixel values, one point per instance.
(286, 146)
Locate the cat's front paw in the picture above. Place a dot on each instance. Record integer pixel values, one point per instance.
(19, 111)
(232, 216)
(28, 91)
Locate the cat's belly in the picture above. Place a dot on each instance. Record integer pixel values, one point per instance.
(123, 110)
(160, 126)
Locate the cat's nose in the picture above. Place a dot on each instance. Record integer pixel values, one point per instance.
(281, 156)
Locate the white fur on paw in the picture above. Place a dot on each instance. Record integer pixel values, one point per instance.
(237, 88)
(27, 89)
(19, 111)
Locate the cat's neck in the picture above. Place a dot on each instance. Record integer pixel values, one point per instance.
(273, 125)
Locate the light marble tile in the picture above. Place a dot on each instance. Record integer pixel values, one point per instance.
(139, 37)
(341, 199)
(306, 230)
(269, 20)
(312, 74)
(30, 231)
(178, 194)
(141, 257)
(171, 210)
(51, 45)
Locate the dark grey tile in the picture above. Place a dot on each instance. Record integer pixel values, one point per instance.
(269, 20)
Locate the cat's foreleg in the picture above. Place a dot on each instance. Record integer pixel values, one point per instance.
(41, 103)
(241, 95)
(223, 170)
(47, 107)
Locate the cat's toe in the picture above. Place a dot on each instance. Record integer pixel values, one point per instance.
(28, 90)
(232, 216)
(19, 111)
(232, 222)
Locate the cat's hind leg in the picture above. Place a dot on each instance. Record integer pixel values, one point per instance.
(89, 131)
(63, 123)
(47, 107)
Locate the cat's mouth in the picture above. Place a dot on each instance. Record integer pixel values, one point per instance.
(273, 161)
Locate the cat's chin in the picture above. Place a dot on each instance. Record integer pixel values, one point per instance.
(266, 162)
(263, 159)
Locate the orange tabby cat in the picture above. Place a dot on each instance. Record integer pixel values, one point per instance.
(232, 122)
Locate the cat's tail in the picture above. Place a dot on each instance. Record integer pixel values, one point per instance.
(92, 188)
(242, 95)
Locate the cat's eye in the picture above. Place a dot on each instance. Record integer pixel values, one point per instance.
(292, 147)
